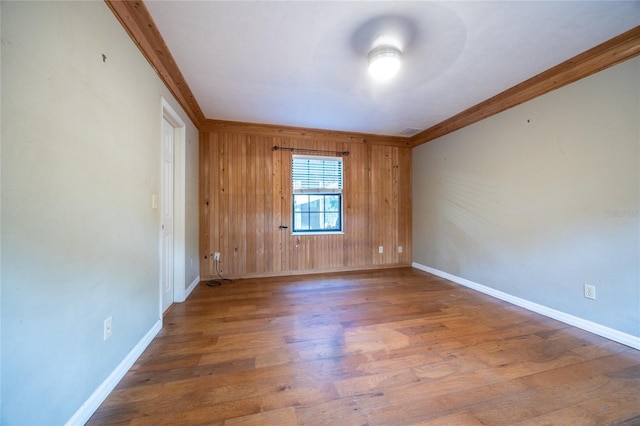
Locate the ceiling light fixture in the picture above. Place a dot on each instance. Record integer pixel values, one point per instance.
(384, 62)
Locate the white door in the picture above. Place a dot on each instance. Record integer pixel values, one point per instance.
(166, 258)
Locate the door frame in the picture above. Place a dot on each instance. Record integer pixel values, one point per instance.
(179, 182)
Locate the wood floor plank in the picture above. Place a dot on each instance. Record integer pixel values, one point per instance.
(388, 347)
(374, 382)
(351, 411)
(465, 419)
(424, 401)
(280, 417)
(619, 408)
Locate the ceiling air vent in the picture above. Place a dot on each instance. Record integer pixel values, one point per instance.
(410, 131)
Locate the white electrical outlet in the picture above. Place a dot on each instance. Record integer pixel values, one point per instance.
(590, 291)
(399, 249)
(107, 328)
(216, 256)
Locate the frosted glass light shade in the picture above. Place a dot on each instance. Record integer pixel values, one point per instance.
(384, 62)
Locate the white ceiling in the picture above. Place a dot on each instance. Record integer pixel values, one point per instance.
(304, 63)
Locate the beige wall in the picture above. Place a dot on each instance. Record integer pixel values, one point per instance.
(541, 199)
(80, 241)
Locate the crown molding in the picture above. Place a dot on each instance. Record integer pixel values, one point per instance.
(136, 20)
(605, 55)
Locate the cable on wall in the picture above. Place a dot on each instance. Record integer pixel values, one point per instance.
(217, 283)
(310, 151)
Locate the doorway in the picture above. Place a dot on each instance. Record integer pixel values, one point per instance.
(172, 209)
(166, 216)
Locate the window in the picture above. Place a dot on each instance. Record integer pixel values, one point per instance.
(317, 193)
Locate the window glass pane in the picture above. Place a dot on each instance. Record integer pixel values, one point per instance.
(332, 203)
(300, 221)
(331, 221)
(304, 223)
(315, 203)
(301, 203)
(314, 221)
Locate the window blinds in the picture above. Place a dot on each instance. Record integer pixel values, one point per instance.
(311, 174)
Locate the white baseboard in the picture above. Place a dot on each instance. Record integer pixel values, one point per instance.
(91, 405)
(192, 287)
(592, 327)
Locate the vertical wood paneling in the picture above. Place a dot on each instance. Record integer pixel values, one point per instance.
(205, 201)
(246, 197)
(252, 198)
(276, 204)
(356, 206)
(288, 262)
(405, 217)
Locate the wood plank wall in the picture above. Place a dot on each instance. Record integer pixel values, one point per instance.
(245, 195)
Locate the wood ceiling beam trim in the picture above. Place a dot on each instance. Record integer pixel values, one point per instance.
(605, 55)
(136, 20)
(302, 133)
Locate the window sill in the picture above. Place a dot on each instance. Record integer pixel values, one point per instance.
(318, 233)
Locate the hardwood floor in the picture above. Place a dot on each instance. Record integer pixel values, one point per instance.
(391, 347)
